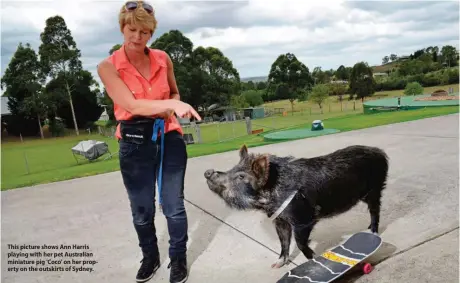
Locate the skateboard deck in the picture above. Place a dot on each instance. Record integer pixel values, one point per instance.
(336, 261)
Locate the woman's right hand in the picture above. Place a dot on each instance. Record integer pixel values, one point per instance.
(183, 110)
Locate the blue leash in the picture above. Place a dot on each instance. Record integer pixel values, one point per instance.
(159, 125)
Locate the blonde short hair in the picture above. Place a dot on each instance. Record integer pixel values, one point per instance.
(137, 17)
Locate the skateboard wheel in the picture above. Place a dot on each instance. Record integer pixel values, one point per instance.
(367, 268)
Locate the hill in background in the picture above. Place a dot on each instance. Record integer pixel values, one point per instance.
(375, 69)
(255, 79)
(385, 67)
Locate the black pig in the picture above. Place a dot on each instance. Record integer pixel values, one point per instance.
(324, 186)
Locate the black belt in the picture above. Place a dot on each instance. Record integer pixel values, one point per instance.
(137, 130)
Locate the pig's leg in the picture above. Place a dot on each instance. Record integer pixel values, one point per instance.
(373, 199)
(373, 203)
(283, 229)
(302, 236)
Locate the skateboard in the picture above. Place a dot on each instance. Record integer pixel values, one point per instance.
(336, 261)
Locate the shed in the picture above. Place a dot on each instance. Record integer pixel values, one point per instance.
(254, 113)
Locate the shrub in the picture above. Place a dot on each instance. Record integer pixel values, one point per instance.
(413, 88)
(253, 97)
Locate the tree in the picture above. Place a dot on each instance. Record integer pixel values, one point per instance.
(59, 56)
(362, 82)
(418, 53)
(449, 55)
(261, 85)
(385, 60)
(177, 45)
(249, 85)
(23, 89)
(342, 73)
(204, 76)
(253, 97)
(318, 94)
(238, 101)
(337, 89)
(393, 57)
(114, 48)
(289, 73)
(86, 107)
(36, 105)
(320, 76)
(214, 75)
(180, 50)
(435, 53)
(413, 88)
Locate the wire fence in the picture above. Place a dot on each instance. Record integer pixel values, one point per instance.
(36, 156)
(276, 117)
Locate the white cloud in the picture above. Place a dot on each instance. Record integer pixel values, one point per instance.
(289, 11)
(81, 16)
(251, 33)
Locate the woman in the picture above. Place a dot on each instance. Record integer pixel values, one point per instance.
(141, 83)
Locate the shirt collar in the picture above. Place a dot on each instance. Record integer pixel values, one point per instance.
(122, 61)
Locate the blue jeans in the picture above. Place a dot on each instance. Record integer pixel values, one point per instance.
(139, 165)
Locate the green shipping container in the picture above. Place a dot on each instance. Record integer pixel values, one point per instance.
(258, 113)
(254, 113)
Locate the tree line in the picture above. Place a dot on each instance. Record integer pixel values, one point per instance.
(51, 87)
(428, 66)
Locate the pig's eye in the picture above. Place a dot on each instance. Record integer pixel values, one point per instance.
(240, 176)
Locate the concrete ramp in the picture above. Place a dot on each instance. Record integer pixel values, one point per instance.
(419, 205)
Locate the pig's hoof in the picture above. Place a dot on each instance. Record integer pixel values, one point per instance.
(279, 263)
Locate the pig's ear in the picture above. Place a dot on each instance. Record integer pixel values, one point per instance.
(243, 151)
(260, 167)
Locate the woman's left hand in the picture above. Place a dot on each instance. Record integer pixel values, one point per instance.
(166, 115)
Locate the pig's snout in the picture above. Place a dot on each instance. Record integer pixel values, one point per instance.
(208, 173)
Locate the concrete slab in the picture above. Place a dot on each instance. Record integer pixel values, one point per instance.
(432, 127)
(94, 211)
(434, 261)
(421, 201)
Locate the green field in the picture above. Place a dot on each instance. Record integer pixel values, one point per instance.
(52, 160)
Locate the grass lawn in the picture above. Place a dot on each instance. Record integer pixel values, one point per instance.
(51, 159)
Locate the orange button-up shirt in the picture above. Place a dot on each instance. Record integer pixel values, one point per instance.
(154, 87)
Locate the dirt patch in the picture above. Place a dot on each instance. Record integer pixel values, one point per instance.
(438, 98)
(439, 92)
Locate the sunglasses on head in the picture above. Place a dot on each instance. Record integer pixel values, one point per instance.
(130, 6)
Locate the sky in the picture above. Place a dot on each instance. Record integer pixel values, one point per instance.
(252, 33)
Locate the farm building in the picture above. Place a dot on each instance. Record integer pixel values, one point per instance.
(254, 113)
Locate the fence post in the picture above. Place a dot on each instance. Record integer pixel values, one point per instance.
(197, 131)
(248, 125)
(218, 131)
(25, 155)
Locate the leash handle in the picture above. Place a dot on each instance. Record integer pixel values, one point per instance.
(159, 125)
